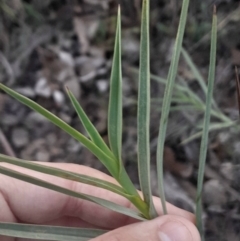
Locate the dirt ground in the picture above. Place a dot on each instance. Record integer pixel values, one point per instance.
(46, 45)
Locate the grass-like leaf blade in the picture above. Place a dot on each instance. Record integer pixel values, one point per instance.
(115, 98)
(196, 73)
(212, 127)
(55, 233)
(204, 141)
(64, 174)
(89, 127)
(167, 99)
(144, 111)
(102, 202)
(107, 161)
(115, 117)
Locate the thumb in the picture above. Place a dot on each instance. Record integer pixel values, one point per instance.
(165, 228)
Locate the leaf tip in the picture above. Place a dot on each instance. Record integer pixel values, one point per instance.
(67, 89)
(214, 9)
(119, 9)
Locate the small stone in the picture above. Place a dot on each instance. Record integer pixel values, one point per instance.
(237, 148)
(58, 97)
(214, 194)
(97, 52)
(66, 58)
(42, 156)
(102, 85)
(74, 87)
(73, 146)
(98, 62)
(66, 118)
(130, 47)
(51, 139)
(87, 67)
(33, 119)
(42, 88)
(102, 71)
(226, 170)
(223, 137)
(20, 137)
(9, 120)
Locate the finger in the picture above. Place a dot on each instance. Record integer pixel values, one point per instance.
(165, 228)
(25, 199)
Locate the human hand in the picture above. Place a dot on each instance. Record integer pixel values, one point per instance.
(25, 203)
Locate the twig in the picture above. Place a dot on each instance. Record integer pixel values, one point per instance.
(7, 147)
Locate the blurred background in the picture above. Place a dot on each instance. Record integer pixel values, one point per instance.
(46, 45)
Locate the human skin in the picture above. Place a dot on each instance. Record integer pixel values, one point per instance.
(22, 202)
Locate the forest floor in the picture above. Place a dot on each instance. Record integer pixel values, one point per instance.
(47, 45)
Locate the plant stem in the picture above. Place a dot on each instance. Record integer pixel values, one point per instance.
(134, 196)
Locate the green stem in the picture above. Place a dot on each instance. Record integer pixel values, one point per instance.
(130, 189)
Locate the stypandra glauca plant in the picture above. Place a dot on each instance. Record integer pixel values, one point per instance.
(110, 156)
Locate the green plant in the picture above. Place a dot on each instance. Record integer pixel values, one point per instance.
(111, 156)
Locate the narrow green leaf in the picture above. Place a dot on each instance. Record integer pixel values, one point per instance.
(64, 174)
(196, 73)
(55, 233)
(89, 127)
(204, 142)
(144, 112)
(115, 118)
(212, 127)
(107, 161)
(102, 202)
(167, 99)
(115, 100)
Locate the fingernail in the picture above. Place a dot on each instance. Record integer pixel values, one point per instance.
(174, 231)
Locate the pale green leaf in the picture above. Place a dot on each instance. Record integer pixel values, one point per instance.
(115, 99)
(89, 127)
(144, 112)
(107, 161)
(54, 233)
(115, 117)
(204, 141)
(102, 202)
(167, 99)
(64, 174)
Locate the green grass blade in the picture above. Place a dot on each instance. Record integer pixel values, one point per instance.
(89, 127)
(107, 161)
(115, 98)
(212, 127)
(115, 117)
(204, 142)
(102, 202)
(64, 174)
(144, 111)
(167, 99)
(196, 73)
(55, 233)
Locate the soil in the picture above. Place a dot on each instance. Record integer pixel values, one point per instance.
(49, 45)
